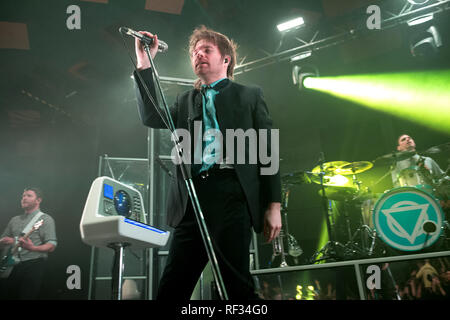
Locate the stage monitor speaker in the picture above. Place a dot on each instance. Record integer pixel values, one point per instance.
(114, 213)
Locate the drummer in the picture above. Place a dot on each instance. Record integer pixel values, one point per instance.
(406, 144)
(436, 176)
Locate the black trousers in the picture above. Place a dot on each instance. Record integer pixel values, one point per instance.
(228, 220)
(25, 280)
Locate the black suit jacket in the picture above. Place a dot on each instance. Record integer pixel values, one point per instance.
(237, 107)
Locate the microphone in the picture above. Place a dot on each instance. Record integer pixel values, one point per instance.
(162, 46)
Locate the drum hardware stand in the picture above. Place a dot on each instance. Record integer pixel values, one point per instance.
(391, 168)
(347, 222)
(186, 175)
(278, 249)
(357, 183)
(294, 249)
(352, 246)
(372, 245)
(371, 234)
(329, 250)
(278, 243)
(362, 248)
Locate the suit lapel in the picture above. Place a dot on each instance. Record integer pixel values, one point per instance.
(224, 107)
(195, 110)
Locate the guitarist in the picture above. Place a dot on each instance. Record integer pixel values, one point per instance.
(24, 282)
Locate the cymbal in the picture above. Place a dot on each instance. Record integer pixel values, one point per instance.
(438, 149)
(355, 167)
(298, 177)
(394, 156)
(329, 168)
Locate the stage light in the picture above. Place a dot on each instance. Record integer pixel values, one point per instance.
(299, 294)
(301, 56)
(300, 73)
(426, 43)
(291, 24)
(419, 20)
(421, 97)
(310, 293)
(336, 180)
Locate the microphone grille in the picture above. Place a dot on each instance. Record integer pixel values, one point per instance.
(163, 47)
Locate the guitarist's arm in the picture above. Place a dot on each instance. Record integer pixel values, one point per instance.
(6, 241)
(6, 238)
(28, 245)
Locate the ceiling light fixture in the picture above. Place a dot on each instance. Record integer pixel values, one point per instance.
(291, 24)
(421, 19)
(301, 56)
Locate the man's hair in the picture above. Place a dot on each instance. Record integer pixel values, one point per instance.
(36, 190)
(226, 46)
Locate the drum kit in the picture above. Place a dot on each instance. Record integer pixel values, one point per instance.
(410, 217)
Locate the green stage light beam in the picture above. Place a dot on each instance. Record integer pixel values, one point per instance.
(421, 97)
(323, 239)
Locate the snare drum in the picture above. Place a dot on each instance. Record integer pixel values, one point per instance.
(408, 218)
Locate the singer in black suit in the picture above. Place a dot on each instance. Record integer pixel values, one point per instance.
(233, 198)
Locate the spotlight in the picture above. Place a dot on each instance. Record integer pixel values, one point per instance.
(301, 56)
(426, 43)
(291, 24)
(419, 20)
(300, 74)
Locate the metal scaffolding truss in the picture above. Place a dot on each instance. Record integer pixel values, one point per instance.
(178, 81)
(396, 14)
(404, 14)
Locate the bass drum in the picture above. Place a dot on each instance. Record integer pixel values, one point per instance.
(408, 219)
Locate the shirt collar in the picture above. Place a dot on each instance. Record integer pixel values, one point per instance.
(216, 85)
(32, 213)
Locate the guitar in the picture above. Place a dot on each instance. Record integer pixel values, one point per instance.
(8, 261)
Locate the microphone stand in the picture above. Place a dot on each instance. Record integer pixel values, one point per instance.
(189, 184)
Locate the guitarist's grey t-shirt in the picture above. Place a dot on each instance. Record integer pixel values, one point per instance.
(46, 233)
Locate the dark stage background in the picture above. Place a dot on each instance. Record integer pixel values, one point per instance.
(66, 98)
